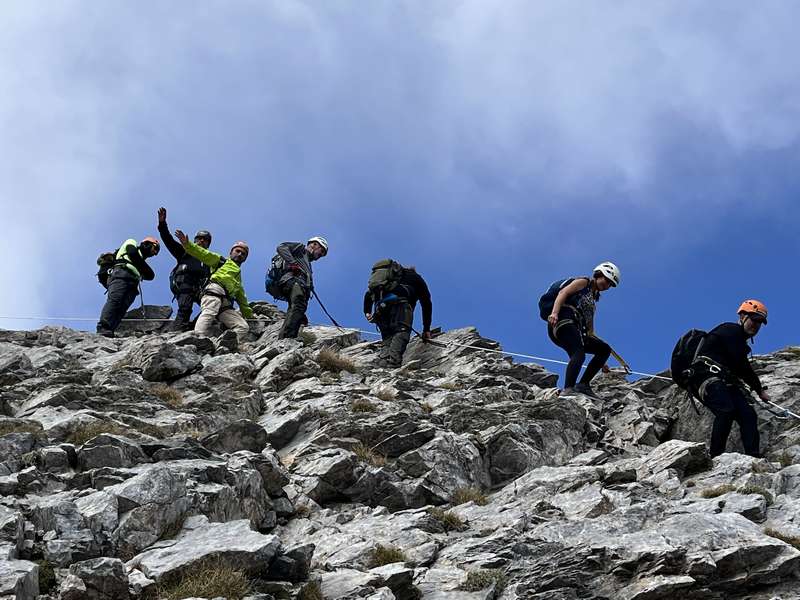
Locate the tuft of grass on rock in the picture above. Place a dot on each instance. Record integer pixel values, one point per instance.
(426, 407)
(335, 362)
(449, 520)
(451, 385)
(761, 467)
(207, 580)
(756, 489)
(47, 577)
(311, 591)
(386, 555)
(362, 405)
(792, 540)
(463, 495)
(368, 455)
(168, 395)
(717, 491)
(86, 431)
(387, 394)
(19, 426)
(785, 459)
(483, 578)
(307, 337)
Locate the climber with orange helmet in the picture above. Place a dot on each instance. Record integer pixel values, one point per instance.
(128, 269)
(722, 368)
(568, 306)
(223, 289)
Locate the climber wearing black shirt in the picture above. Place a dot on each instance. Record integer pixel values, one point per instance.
(394, 315)
(724, 352)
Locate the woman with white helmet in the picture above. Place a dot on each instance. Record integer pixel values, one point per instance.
(570, 324)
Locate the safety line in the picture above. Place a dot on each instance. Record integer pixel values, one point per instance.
(505, 352)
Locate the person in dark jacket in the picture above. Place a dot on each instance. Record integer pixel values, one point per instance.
(722, 368)
(187, 279)
(295, 280)
(123, 283)
(394, 315)
(571, 326)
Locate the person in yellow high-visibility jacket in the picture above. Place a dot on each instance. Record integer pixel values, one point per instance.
(224, 287)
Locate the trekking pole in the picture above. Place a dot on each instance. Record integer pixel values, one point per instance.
(785, 411)
(621, 361)
(325, 310)
(424, 341)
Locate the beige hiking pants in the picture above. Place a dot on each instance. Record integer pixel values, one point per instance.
(215, 305)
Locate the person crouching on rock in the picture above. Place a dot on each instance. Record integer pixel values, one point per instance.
(392, 294)
(721, 368)
(570, 324)
(224, 287)
(128, 270)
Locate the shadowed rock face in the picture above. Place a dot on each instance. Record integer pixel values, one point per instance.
(131, 462)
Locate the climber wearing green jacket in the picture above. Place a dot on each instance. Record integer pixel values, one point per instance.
(224, 287)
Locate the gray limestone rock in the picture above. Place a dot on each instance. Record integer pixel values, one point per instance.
(19, 580)
(239, 435)
(162, 361)
(233, 544)
(107, 450)
(101, 578)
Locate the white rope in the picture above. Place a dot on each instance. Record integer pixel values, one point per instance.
(529, 356)
(518, 354)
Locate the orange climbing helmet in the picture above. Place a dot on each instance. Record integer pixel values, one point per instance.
(156, 244)
(753, 307)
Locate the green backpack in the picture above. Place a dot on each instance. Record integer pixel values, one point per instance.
(385, 277)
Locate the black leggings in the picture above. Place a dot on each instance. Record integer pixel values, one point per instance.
(729, 404)
(570, 339)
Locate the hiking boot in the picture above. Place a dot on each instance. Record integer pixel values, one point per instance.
(586, 390)
(105, 333)
(566, 392)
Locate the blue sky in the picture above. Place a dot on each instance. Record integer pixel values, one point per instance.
(497, 146)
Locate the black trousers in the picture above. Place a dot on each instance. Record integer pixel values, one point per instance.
(123, 287)
(568, 336)
(395, 322)
(729, 403)
(186, 297)
(298, 295)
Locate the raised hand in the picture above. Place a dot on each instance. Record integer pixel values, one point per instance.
(182, 237)
(162, 215)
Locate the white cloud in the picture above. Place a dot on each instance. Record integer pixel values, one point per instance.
(110, 109)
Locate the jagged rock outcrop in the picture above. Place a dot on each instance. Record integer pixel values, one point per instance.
(131, 464)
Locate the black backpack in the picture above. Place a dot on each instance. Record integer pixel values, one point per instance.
(548, 299)
(272, 279)
(385, 278)
(684, 356)
(105, 264)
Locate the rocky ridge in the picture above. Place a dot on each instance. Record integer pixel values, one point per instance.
(152, 464)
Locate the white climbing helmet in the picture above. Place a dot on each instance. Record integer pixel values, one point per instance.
(610, 271)
(321, 241)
